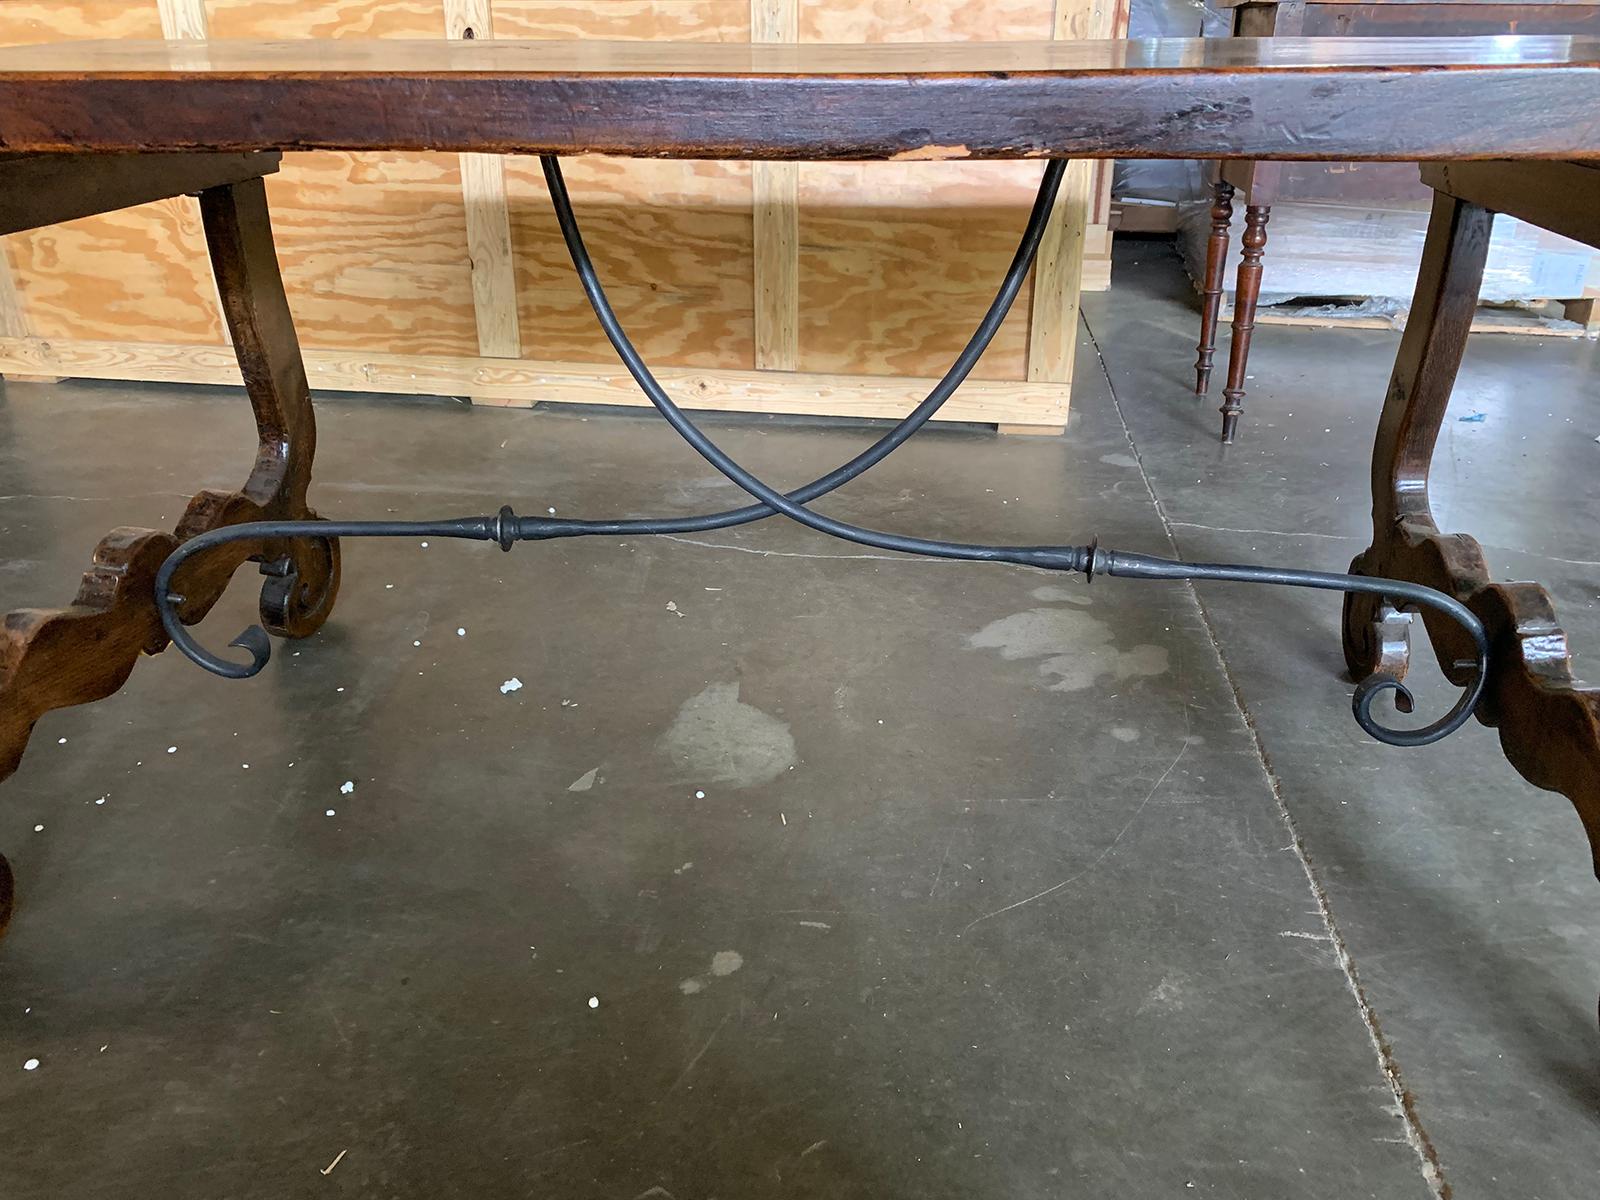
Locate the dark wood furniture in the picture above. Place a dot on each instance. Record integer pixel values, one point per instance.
(89, 126)
(1259, 184)
(51, 658)
(1549, 722)
(1398, 100)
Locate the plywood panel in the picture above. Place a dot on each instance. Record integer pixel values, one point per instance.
(373, 247)
(925, 20)
(776, 231)
(672, 242)
(898, 262)
(325, 18)
(374, 251)
(28, 22)
(1057, 279)
(678, 20)
(139, 274)
(666, 20)
(1058, 276)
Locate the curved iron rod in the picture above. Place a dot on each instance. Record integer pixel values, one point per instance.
(255, 639)
(1143, 566)
(691, 433)
(1072, 558)
(506, 527)
(999, 307)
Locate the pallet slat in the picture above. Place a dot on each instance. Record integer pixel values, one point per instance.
(502, 383)
(774, 295)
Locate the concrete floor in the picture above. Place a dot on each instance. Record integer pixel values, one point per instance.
(999, 885)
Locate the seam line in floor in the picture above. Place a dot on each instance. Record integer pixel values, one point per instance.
(1388, 1065)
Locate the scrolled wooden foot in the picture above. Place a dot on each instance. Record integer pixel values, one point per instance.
(300, 588)
(1377, 638)
(52, 658)
(1548, 720)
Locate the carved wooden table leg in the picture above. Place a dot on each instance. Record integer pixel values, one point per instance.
(1549, 722)
(52, 658)
(1245, 295)
(1216, 269)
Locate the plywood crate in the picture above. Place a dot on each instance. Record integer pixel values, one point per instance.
(827, 288)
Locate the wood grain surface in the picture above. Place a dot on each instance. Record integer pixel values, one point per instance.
(1291, 98)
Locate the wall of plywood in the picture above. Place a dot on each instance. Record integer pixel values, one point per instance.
(835, 288)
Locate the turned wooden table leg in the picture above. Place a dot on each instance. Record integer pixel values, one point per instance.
(52, 658)
(1246, 292)
(1216, 270)
(1549, 722)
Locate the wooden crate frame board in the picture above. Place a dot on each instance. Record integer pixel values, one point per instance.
(521, 383)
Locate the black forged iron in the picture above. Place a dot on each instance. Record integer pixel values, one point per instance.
(506, 528)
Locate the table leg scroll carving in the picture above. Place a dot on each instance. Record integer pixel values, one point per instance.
(52, 658)
(1377, 638)
(1549, 722)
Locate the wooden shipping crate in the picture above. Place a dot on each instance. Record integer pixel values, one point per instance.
(827, 288)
